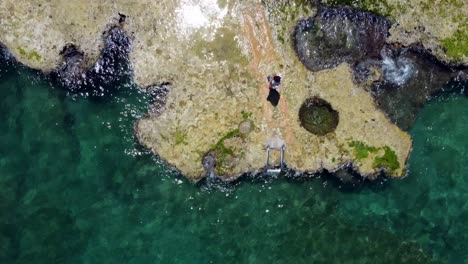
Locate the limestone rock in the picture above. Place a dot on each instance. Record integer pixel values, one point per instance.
(215, 55)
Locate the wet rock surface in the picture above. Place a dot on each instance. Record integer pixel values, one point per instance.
(401, 78)
(337, 35)
(159, 94)
(5, 55)
(410, 77)
(71, 74)
(438, 26)
(112, 66)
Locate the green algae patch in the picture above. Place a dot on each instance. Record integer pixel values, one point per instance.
(294, 9)
(180, 137)
(229, 135)
(246, 115)
(456, 46)
(32, 55)
(223, 47)
(225, 154)
(388, 160)
(284, 14)
(22, 51)
(361, 150)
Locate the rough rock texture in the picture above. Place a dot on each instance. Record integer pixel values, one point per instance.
(402, 79)
(205, 119)
(337, 35)
(213, 58)
(318, 117)
(409, 79)
(111, 66)
(440, 26)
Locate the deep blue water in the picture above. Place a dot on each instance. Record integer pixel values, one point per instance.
(76, 188)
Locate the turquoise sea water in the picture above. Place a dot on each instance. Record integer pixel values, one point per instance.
(76, 188)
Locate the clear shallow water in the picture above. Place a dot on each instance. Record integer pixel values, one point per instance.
(75, 188)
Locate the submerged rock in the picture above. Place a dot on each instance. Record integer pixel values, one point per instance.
(114, 61)
(43, 232)
(337, 35)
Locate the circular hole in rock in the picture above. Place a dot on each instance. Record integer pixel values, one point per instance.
(318, 117)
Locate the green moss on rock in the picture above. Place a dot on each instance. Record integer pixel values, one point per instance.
(456, 46)
(318, 117)
(388, 160)
(32, 55)
(22, 51)
(246, 115)
(223, 154)
(361, 150)
(180, 137)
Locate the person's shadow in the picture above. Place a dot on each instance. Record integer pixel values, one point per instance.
(273, 97)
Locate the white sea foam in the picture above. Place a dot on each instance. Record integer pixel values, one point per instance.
(397, 70)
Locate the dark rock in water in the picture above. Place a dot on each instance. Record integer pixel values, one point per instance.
(348, 175)
(367, 71)
(112, 66)
(114, 62)
(159, 94)
(71, 73)
(5, 54)
(409, 78)
(337, 35)
(318, 117)
(273, 97)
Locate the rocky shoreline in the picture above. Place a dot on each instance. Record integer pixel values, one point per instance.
(210, 116)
